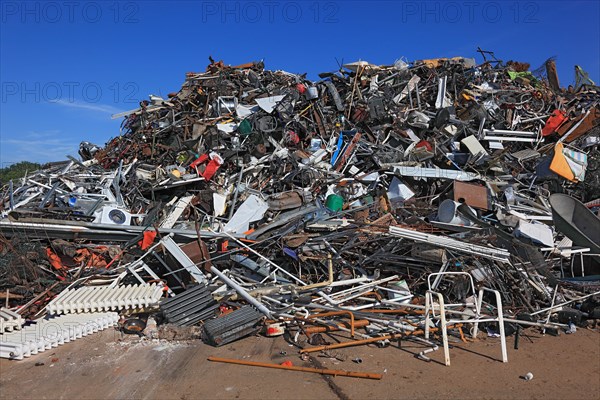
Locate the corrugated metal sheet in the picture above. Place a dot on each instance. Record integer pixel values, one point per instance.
(53, 331)
(105, 298)
(189, 307)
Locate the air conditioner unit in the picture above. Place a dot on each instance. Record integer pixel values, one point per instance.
(113, 216)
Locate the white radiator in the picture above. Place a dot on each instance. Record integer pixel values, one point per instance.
(105, 298)
(9, 320)
(50, 332)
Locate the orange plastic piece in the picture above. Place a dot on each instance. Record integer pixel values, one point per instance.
(54, 259)
(148, 239)
(559, 164)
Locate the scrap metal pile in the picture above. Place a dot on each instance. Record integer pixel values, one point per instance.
(254, 199)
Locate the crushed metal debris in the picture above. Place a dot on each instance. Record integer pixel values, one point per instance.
(414, 201)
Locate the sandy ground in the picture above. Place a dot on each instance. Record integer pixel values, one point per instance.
(108, 365)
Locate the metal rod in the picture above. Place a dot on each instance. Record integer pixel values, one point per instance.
(336, 313)
(334, 372)
(552, 303)
(235, 193)
(350, 344)
(361, 323)
(242, 292)
(565, 303)
(261, 256)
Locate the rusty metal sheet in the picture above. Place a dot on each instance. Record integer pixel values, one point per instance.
(474, 195)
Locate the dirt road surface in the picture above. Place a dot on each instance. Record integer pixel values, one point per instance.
(108, 365)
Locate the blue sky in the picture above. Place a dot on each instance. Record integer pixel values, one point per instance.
(66, 66)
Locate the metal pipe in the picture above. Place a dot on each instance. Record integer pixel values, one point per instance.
(350, 344)
(450, 243)
(361, 323)
(429, 307)
(518, 321)
(500, 318)
(263, 257)
(350, 293)
(341, 328)
(396, 311)
(392, 324)
(81, 228)
(235, 194)
(538, 324)
(242, 293)
(552, 303)
(375, 339)
(336, 313)
(565, 303)
(349, 281)
(333, 372)
(422, 355)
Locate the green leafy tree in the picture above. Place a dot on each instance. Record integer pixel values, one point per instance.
(17, 170)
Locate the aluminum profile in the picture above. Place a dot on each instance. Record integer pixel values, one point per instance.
(53, 331)
(9, 320)
(105, 298)
(189, 307)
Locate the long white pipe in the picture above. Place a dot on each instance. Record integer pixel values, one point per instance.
(242, 292)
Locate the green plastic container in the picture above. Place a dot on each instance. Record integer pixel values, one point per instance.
(334, 202)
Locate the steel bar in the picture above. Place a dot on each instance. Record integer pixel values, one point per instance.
(361, 323)
(352, 343)
(334, 372)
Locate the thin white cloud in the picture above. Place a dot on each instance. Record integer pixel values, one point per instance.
(103, 108)
(39, 135)
(37, 146)
(43, 155)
